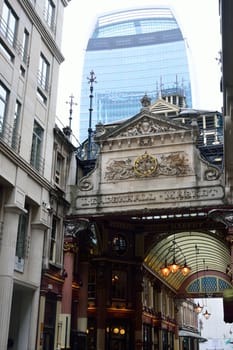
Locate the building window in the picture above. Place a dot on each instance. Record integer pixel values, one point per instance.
(37, 138)
(41, 97)
(8, 24)
(4, 96)
(4, 49)
(59, 168)
(15, 133)
(119, 284)
(146, 292)
(91, 284)
(49, 13)
(53, 240)
(119, 244)
(21, 242)
(25, 46)
(22, 71)
(43, 74)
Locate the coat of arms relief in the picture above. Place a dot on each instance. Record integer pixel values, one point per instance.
(146, 165)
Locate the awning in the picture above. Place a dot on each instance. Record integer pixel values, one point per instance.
(183, 333)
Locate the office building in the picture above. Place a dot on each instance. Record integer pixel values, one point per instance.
(32, 177)
(133, 52)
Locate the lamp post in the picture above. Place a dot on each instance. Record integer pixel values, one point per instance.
(91, 80)
(198, 308)
(206, 314)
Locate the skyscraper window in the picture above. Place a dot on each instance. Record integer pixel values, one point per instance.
(133, 52)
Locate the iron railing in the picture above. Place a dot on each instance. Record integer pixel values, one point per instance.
(37, 162)
(10, 136)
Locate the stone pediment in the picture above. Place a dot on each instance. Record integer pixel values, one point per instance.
(143, 124)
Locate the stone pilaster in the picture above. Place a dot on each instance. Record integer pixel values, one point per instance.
(7, 260)
(101, 305)
(138, 309)
(70, 249)
(34, 271)
(83, 298)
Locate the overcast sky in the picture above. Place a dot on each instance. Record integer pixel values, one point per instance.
(199, 22)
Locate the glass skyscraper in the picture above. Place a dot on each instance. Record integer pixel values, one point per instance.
(132, 52)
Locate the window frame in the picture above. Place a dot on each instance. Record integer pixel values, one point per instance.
(15, 127)
(55, 245)
(25, 46)
(9, 24)
(22, 240)
(43, 73)
(49, 13)
(4, 101)
(119, 284)
(5, 50)
(36, 159)
(59, 169)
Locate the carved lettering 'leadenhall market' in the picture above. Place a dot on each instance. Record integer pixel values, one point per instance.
(155, 198)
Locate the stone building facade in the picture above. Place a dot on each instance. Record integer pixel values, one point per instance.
(30, 56)
(150, 194)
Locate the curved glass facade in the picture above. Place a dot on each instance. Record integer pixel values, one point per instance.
(132, 52)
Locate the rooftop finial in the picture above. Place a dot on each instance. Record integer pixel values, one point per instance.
(145, 101)
(71, 103)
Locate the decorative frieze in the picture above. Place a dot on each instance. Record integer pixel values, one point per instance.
(146, 165)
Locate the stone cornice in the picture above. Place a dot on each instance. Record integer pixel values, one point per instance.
(19, 161)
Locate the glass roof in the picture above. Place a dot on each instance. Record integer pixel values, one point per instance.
(204, 252)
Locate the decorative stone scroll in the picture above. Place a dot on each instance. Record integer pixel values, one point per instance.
(173, 164)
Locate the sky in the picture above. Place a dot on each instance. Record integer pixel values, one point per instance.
(218, 333)
(200, 24)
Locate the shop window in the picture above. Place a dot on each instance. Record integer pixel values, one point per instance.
(49, 324)
(117, 334)
(147, 337)
(91, 335)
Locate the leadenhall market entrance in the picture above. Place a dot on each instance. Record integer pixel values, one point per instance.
(149, 231)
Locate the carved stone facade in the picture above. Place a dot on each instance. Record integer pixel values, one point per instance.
(149, 184)
(147, 161)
